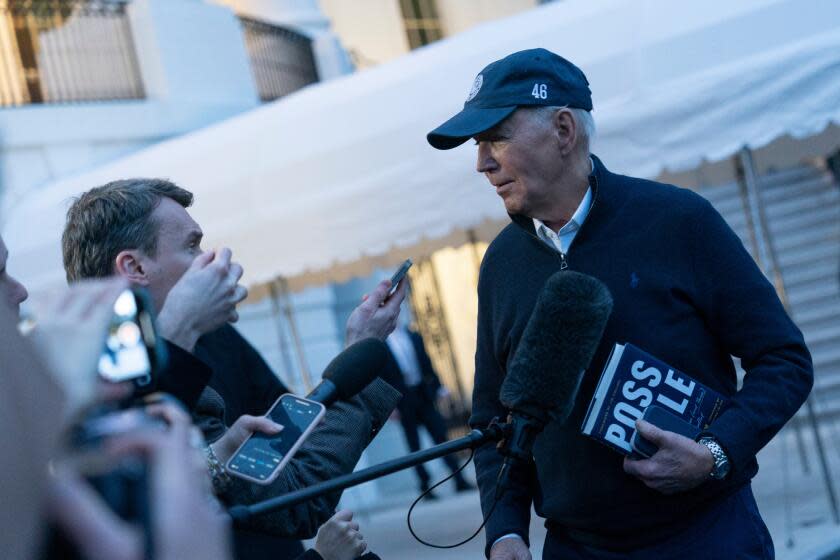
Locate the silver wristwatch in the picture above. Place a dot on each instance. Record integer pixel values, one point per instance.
(721, 467)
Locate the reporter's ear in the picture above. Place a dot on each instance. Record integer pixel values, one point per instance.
(129, 265)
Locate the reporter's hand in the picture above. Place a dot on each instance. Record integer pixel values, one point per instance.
(71, 327)
(245, 425)
(98, 533)
(680, 464)
(512, 548)
(203, 299)
(339, 538)
(377, 315)
(31, 406)
(187, 522)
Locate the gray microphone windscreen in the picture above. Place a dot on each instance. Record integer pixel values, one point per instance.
(557, 345)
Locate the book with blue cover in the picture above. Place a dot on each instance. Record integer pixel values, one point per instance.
(631, 381)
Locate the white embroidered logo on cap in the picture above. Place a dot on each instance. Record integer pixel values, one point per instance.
(475, 87)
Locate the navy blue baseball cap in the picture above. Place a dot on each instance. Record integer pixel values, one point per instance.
(526, 78)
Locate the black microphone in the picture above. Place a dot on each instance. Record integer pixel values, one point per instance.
(557, 346)
(351, 371)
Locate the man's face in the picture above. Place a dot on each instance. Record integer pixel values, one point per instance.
(521, 159)
(178, 244)
(10, 289)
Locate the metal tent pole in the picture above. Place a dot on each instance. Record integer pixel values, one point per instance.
(285, 301)
(276, 313)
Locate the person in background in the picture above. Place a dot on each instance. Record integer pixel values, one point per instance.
(412, 373)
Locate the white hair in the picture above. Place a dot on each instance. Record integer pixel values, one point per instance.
(583, 119)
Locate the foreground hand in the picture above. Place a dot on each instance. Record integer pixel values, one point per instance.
(179, 493)
(242, 429)
(680, 464)
(512, 548)
(339, 538)
(377, 316)
(31, 405)
(203, 299)
(99, 534)
(71, 327)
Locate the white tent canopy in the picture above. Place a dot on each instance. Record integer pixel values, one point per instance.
(338, 177)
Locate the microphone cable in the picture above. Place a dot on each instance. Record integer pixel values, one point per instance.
(425, 492)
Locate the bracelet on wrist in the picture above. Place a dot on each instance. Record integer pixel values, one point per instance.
(218, 475)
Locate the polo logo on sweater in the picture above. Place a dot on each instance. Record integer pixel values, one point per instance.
(634, 280)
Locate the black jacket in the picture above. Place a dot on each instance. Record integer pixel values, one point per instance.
(184, 377)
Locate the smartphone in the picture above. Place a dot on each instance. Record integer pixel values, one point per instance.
(261, 458)
(663, 420)
(133, 351)
(398, 276)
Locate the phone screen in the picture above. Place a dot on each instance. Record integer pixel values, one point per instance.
(125, 355)
(262, 453)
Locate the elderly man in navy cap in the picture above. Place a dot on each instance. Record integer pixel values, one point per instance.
(684, 289)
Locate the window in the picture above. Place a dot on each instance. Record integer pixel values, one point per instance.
(56, 51)
(282, 60)
(422, 24)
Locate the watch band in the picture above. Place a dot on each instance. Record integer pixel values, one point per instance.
(721, 466)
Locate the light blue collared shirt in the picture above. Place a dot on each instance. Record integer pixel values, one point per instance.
(562, 240)
(399, 342)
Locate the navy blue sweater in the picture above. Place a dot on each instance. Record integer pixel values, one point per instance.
(685, 290)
